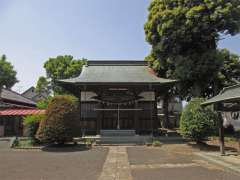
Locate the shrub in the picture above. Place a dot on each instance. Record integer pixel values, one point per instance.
(61, 120)
(196, 122)
(42, 104)
(31, 124)
(156, 143)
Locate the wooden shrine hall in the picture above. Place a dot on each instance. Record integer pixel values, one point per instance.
(118, 95)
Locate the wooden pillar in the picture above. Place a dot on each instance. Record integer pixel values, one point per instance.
(136, 120)
(221, 134)
(165, 123)
(218, 107)
(155, 118)
(80, 109)
(99, 119)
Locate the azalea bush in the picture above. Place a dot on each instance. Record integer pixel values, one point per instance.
(197, 123)
(61, 121)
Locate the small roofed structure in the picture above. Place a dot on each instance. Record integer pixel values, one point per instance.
(228, 100)
(228, 94)
(118, 95)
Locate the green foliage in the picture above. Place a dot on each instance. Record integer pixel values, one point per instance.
(230, 70)
(88, 141)
(25, 143)
(31, 124)
(7, 73)
(184, 36)
(61, 122)
(43, 85)
(197, 123)
(43, 104)
(177, 26)
(156, 143)
(62, 67)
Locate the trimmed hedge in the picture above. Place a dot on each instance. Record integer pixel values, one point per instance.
(197, 123)
(61, 122)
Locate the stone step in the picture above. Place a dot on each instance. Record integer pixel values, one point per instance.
(117, 133)
(124, 140)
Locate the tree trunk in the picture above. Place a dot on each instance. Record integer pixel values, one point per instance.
(196, 92)
(165, 123)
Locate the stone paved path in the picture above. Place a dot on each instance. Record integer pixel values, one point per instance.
(116, 166)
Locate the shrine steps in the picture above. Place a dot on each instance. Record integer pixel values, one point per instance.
(127, 132)
(121, 137)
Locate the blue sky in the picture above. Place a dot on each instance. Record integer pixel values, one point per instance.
(34, 30)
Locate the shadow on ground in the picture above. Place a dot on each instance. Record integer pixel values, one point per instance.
(65, 148)
(172, 141)
(209, 148)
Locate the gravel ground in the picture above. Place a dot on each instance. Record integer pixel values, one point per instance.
(70, 164)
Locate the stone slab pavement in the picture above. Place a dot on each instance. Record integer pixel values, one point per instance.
(116, 166)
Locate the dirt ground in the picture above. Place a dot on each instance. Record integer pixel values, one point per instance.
(174, 161)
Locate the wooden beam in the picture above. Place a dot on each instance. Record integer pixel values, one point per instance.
(234, 107)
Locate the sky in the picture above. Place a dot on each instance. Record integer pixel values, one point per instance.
(34, 30)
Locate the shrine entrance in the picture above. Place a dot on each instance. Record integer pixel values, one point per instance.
(118, 110)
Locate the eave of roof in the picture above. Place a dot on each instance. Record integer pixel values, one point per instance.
(21, 112)
(228, 94)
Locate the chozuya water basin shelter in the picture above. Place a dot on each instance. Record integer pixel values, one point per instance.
(228, 100)
(118, 95)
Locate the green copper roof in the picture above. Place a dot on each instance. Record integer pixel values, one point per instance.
(117, 72)
(229, 94)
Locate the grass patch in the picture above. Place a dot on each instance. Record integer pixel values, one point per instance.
(156, 143)
(24, 143)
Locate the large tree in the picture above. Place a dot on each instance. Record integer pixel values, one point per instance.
(229, 73)
(43, 85)
(184, 36)
(62, 67)
(7, 74)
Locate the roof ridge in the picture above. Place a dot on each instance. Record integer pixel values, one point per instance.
(117, 63)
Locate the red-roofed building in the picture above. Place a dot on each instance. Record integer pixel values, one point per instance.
(13, 107)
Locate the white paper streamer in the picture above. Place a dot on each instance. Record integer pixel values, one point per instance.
(231, 118)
